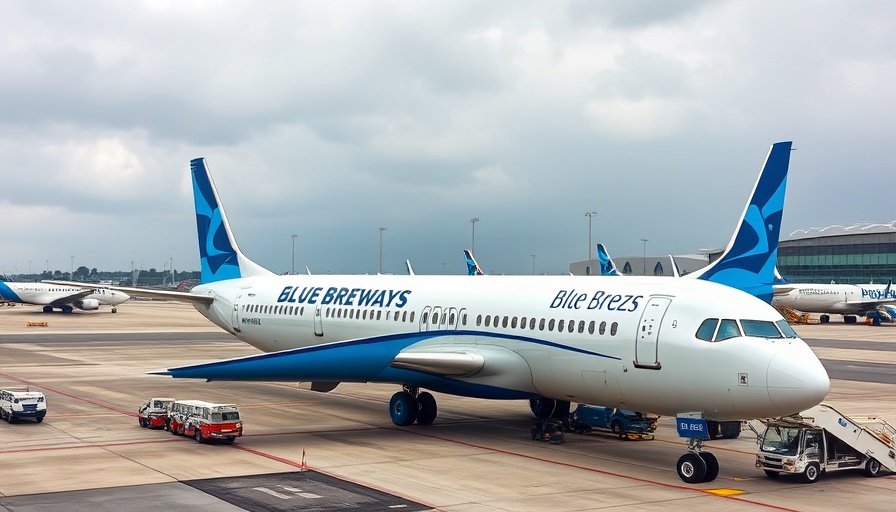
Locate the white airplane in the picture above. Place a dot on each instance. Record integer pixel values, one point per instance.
(849, 300)
(690, 348)
(64, 297)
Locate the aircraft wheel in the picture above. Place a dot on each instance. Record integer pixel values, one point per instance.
(542, 407)
(428, 409)
(824, 319)
(48, 309)
(67, 309)
(849, 319)
(691, 468)
(812, 473)
(403, 408)
(712, 466)
(872, 468)
(114, 310)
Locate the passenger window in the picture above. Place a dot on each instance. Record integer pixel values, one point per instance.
(728, 329)
(541, 324)
(379, 314)
(487, 320)
(613, 328)
(532, 324)
(404, 316)
(463, 319)
(423, 318)
(603, 328)
(561, 324)
(707, 329)
(513, 323)
(412, 316)
(478, 320)
(572, 325)
(581, 326)
(504, 322)
(551, 324)
(591, 327)
(451, 319)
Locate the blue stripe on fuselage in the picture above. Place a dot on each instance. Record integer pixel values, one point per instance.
(365, 360)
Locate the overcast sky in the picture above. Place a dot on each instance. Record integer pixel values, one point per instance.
(329, 120)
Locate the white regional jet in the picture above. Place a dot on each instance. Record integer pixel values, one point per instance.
(848, 300)
(63, 296)
(642, 343)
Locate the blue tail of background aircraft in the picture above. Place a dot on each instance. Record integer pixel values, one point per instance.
(607, 267)
(748, 262)
(472, 267)
(220, 258)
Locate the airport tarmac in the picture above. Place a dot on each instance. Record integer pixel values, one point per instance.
(90, 453)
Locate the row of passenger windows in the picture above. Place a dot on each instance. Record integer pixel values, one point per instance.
(546, 324)
(714, 329)
(447, 319)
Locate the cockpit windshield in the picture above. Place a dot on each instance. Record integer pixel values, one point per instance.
(714, 329)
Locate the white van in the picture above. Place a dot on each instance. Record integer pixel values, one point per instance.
(19, 403)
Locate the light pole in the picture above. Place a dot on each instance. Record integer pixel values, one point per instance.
(381, 249)
(533, 264)
(71, 274)
(473, 221)
(293, 253)
(590, 216)
(644, 258)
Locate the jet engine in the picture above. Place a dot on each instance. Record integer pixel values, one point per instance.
(88, 304)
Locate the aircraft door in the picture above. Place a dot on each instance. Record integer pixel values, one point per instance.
(424, 318)
(647, 337)
(235, 315)
(318, 324)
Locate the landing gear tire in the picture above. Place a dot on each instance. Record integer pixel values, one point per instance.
(542, 407)
(427, 409)
(403, 408)
(691, 468)
(712, 466)
(67, 309)
(849, 319)
(824, 319)
(812, 473)
(872, 468)
(114, 310)
(561, 409)
(48, 309)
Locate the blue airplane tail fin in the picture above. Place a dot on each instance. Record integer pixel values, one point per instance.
(607, 267)
(220, 257)
(472, 267)
(748, 262)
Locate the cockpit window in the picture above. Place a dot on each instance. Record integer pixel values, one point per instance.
(786, 329)
(760, 329)
(707, 329)
(728, 329)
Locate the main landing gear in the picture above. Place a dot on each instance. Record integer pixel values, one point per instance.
(697, 466)
(411, 405)
(549, 408)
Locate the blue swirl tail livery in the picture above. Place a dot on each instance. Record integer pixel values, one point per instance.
(220, 257)
(607, 267)
(748, 262)
(625, 341)
(472, 267)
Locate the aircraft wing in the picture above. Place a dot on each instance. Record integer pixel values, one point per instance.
(141, 292)
(68, 299)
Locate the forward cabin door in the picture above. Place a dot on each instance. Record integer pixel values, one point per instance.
(648, 335)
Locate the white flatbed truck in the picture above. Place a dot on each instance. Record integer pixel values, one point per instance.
(822, 439)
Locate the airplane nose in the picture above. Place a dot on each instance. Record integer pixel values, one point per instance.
(796, 380)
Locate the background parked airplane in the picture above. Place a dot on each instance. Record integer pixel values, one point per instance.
(849, 300)
(645, 343)
(64, 297)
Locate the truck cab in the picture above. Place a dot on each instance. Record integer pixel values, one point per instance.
(21, 403)
(154, 413)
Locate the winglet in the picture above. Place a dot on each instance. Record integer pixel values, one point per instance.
(607, 267)
(748, 262)
(220, 257)
(410, 268)
(472, 267)
(676, 272)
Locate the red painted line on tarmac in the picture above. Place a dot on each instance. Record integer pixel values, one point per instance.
(82, 446)
(70, 395)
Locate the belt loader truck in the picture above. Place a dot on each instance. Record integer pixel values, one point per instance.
(822, 439)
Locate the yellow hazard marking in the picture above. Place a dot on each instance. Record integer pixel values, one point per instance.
(37, 324)
(725, 492)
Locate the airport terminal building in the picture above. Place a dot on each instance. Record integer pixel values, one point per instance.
(861, 253)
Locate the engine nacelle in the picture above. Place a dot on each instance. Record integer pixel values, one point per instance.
(88, 304)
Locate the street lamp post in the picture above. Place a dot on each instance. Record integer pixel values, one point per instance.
(293, 253)
(71, 274)
(381, 249)
(590, 216)
(473, 221)
(644, 256)
(533, 264)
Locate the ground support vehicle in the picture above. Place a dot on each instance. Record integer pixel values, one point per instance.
(625, 424)
(822, 439)
(548, 429)
(205, 421)
(154, 413)
(21, 403)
